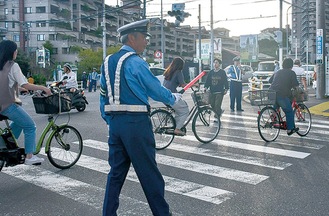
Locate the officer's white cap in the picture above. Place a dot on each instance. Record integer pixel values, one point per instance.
(138, 26)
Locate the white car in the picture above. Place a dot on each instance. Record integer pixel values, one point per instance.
(158, 72)
(260, 78)
(309, 70)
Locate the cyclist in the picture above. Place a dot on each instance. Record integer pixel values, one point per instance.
(282, 82)
(173, 77)
(11, 78)
(301, 75)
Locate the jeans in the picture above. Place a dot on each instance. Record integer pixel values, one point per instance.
(21, 120)
(285, 104)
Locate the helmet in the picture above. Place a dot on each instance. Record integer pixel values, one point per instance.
(68, 66)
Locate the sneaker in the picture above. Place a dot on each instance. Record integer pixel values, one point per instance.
(294, 130)
(34, 160)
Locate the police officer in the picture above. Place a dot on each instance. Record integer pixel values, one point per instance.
(235, 74)
(93, 76)
(126, 83)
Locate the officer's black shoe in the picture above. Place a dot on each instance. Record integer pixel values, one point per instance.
(294, 130)
(240, 110)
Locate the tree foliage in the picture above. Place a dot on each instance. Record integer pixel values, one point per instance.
(24, 62)
(268, 47)
(48, 45)
(90, 59)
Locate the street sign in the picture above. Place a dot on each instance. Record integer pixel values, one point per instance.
(178, 6)
(158, 54)
(319, 45)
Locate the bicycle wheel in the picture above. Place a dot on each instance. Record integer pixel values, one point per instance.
(205, 126)
(303, 119)
(163, 124)
(268, 123)
(65, 147)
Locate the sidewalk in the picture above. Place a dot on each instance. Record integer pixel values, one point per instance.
(317, 106)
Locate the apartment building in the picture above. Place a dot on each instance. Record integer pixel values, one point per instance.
(73, 24)
(303, 29)
(67, 24)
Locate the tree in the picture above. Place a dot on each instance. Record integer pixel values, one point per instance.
(48, 45)
(268, 47)
(90, 59)
(24, 62)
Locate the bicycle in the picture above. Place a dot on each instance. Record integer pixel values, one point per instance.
(63, 144)
(205, 122)
(272, 119)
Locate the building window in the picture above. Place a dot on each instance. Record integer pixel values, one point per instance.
(13, 11)
(55, 50)
(6, 11)
(16, 38)
(28, 10)
(40, 37)
(40, 24)
(6, 24)
(13, 24)
(28, 24)
(52, 37)
(65, 50)
(40, 9)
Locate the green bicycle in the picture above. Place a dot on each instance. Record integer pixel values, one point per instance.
(63, 145)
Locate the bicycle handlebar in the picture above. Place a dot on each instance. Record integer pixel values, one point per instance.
(193, 82)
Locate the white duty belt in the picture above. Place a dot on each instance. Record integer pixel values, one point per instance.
(115, 105)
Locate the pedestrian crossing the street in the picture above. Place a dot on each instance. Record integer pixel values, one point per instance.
(186, 156)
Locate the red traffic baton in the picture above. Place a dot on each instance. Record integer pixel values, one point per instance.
(193, 82)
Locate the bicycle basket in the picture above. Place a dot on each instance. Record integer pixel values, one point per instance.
(201, 98)
(299, 94)
(262, 97)
(50, 104)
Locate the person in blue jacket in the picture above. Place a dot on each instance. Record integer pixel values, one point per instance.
(126, 84)
(235, 74)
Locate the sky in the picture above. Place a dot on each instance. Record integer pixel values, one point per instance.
(241, 17)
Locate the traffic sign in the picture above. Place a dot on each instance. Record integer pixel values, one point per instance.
(319, 45)
(158, 54)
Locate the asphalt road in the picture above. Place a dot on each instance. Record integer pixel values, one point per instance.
(237, 174)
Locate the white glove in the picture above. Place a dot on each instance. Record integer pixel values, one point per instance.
(178, 96)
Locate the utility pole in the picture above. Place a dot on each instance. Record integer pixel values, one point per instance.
(321, 28)
(104, 31)
(144, 9)
(280, 44)
(200, 61)
(162, 38)
(212, 35)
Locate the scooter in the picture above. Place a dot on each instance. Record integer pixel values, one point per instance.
(78, 99)
(77, 96)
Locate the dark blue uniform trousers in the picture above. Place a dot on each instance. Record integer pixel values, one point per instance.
(132, 141)
(235, 94)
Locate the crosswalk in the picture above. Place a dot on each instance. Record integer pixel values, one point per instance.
(186, 154)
